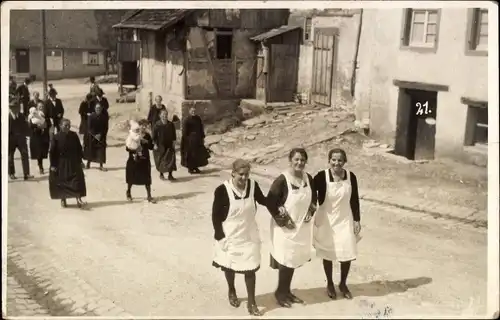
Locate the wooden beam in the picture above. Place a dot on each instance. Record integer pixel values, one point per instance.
(419, 85)
(474, 102)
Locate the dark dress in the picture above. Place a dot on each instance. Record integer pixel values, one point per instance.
(104, 104)
(39, 141)
(56, 111)
(94, 150)
(276, 197)
(86, 107)
(220, 210)
(164, 137)
(138, 169)
(23, 95)
(194, 154)
(66, 155)
(154, 114)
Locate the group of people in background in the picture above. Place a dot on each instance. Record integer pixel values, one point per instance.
(320, 212)
(35, 118)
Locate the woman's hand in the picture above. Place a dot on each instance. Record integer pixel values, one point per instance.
(223, 244)
(310, 213)
(357, 227)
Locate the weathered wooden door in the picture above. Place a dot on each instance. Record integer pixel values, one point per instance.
(425, 108)
(283, 73)
(323, 57)
(22, 61)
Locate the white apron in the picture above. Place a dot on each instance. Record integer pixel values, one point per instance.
(293, 248)
(240, 249)
(334, 237)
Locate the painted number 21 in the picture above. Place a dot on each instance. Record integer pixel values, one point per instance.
(423, 108)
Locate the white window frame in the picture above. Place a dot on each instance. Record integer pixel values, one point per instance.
(307, 29)
(423, 43)
(476, 32)
(48, 53)
(92, 54)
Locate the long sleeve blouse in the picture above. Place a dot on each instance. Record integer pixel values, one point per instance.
(220, 206)
(278, 193)
(320, 184)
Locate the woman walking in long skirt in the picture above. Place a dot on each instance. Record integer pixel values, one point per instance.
(337, 221)
(66, 179)
(293, 194)
(95, 144)
(138, 169)
(194, 154)
(237, 245)
(155, 110)
(40, 137)
(164, 137)
(87, 107)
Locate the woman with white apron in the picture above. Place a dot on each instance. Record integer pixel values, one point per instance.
(337, 222)
(291, 195)
(237, 245)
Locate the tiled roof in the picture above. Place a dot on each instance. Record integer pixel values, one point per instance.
(153, 19)
(274, 32)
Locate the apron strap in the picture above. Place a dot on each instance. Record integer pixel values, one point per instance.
(287, 179)
(229, 190)
(251, 195)
(348, 176)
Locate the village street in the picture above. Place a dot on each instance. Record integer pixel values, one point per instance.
(141, 259)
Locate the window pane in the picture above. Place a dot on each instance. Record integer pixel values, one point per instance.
(417, 32)
(418, 16)
(432, 17)
(431, 28)
(483, 29)
(482, 115)
(483, 40)
(430, 38)
(481, 135)
(484, 16)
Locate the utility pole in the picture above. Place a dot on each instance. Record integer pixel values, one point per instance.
(43, 54)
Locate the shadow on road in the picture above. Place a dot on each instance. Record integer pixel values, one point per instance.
(110, 203)
(193, 177)
(35, 179)
(370, 289)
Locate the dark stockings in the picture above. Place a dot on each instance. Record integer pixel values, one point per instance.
(233, 298)
(148, 191)
(284, 294)
(250, 280)
(40, 163)
(345, 266)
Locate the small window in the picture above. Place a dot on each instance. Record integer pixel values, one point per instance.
(420, 28)
(478, 33)
(93, 58)
(223, 44)
(477, 126)
(307, 29)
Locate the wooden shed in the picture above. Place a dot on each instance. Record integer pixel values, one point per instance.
(200, 57)
(277, 64)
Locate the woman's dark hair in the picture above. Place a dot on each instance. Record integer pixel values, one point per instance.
(337, 150)
(294, 151)
(92, 79)
(89, 96)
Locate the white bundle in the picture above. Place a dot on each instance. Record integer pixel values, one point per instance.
(36, 117)
(133, 141)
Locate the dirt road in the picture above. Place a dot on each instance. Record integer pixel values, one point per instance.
(142, 259)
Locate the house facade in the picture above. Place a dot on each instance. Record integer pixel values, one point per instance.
(200, 58)
(327, 55)
(422, 82)
(79, 43)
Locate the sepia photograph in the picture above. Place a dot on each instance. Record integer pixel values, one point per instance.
(315, 159)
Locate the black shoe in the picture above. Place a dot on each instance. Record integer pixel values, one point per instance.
(196, 170)
(12, 177)
(162, 177)
(253, 310)
(294, 299)
(330, 290)
(63, 203)
(151, 200)
(282, 300)
(87, 165)
(129, 196)
(103, 169)
(41, 170)
(171, 178)
(27, 177)
(345, 291)
(191, 171)
(233, 299)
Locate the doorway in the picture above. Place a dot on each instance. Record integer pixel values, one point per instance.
(416, 124)
(325, 40)
(22, 61)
